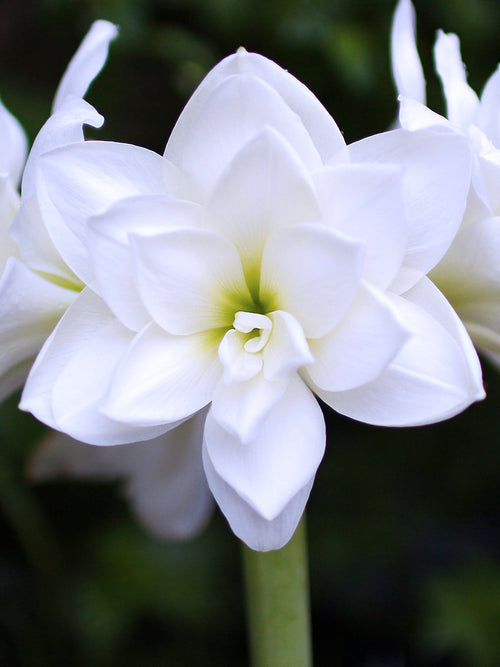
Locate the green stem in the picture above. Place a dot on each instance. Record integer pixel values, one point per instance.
(278, 604)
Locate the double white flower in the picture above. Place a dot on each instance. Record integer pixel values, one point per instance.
(469, 273)
(258, 261)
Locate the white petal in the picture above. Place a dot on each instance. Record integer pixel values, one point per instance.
(361, 346)
(313, 273)
(72, 371)
(79, 181)
(163, 379)
(240, 407)
(437, 166)
(406, 65)
(366, 202)
(287, 349)
(269, 470)
(190, 280)
(488, 117)
(35, 245)
(14, 146)
(247, 524)
(87, 62)
(265, 187)
(461, 101)
(234, 113)
(322, 129)
(414, 115)
(434, 377)
(469, 276)
(9, 203)
(167, 485)
(111, 253)
(30, 307)
(62, 128)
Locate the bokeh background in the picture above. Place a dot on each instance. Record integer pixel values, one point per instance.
(404, 525)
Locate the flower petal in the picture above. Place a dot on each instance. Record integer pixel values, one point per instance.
(190, 280)
(313, 273)
(240, 407)
(406, 65)
(111, 253)
(247, 524)
(366, 202)
(163, 379)
(14, 146)
(72, 371)
(167, 484)
(361, 346)
(437, 165)
(488, 117)
(469, 276)
(30, 307)
(323, 131)
(79, 181)
(435, 376)
(281, 459)
(265, 187)
(86, 63)
(461, 101)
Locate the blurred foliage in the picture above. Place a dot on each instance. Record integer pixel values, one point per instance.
(404, 524)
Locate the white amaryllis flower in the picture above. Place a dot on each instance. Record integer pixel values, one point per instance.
(469, 273)
(258, 261)
(36, 286)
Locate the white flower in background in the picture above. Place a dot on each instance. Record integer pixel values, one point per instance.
(469, 273)
(12, 158)
(260, 260)
(162, 478)
(36, 286)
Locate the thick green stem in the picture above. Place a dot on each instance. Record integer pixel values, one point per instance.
(278, 604)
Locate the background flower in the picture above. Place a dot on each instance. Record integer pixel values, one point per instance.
(469, 272)
(36, 286)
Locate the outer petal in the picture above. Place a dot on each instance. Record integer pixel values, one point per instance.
(461, 100)
(30, 307)
(361, 347)
(313, 273)
(72, 371)
(469, 276)
(111, 252)
(406, 65)
(265, 187)
(190, 280)
(295, 97)
(9, 202)
(434, 377)
(438, 170)
(366, 202)
(79, 181)
(14, 146)
(247, 524)
(280, 460)
(164, 477)
(163, 379)
(488, 117)
(86, 63)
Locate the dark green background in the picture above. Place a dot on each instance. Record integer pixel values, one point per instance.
(404, 524)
